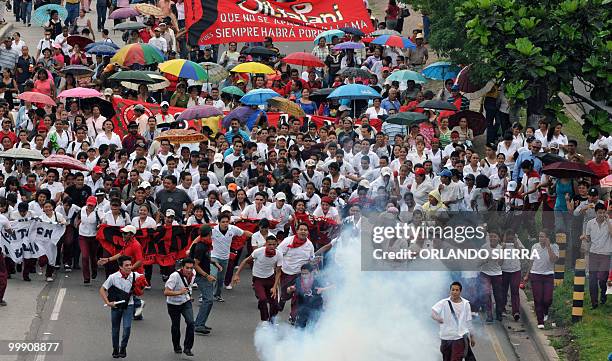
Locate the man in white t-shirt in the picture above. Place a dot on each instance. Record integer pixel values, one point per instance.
(598, 235)
(266, 277)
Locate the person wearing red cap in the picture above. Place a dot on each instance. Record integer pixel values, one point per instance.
(95, 179)
(87, 226)
(326, 210)
(421, 186)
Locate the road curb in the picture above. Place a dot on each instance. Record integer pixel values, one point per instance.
(5, 29)
(547, 352)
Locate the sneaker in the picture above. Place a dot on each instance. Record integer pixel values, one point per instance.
(115, 353)
(138, 312)
(87, 282)
(517, 317)
(202, 331)
(178, 350)
(541, 326)
(2, 303)
(604, 299)
(291, 321)
(594, 306)
(27, 278)
(122, 352)
(49, 279)
(195, 286)
(219, 299)
(67, 268)
(545, 318)
(164, 278)
(229, 287)
(188, 352)
(147, 287)
(200, 300)
(208, 328)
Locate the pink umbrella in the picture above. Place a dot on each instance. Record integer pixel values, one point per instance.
(606, 182)
(123, 13)
(79, 93)
(34, 97)
(64, 162)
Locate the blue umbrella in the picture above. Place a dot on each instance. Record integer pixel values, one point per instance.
(329, 34)
(242, 113)
(349, 45)
(105, 43)
(441, 70)
(103, 50)
(258, 96)
(41, 16)
(354, 92)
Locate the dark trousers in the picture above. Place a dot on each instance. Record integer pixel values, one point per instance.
(511, 280)
(175, 312)
(101, 11)
(263, 292)
(65, 246)
(119, 316)
(163, 270)
(3, 276)
(599, 266)
(454, 350)
(29, 266)
(542, 289)
(493, 285)
(89, 259)
(491, 111)
(286, 281)
(231, 263)
(17, 11)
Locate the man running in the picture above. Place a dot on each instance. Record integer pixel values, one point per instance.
(200, 252)
(266, 277)
(455, 319)
(178, 299)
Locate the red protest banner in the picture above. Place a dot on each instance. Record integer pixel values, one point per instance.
(223, 21)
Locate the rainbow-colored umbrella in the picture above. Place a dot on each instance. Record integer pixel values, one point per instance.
(143, 54)
(183, 69)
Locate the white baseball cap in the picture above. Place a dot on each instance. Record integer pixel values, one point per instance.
(170, 212)
(364, 183)
(129, 229)
(512, 186)
(386, 171)
(144, 185)
(280, 196)
(156, 166)
(218, 158)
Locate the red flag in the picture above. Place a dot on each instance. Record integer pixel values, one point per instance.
(124, 109)
(321, 229)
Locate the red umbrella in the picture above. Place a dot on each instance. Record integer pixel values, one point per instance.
(35, 97)
(476, 121)
(304, 59)
(567, 169)
(64, 162)
(464, 82)
(82, 41)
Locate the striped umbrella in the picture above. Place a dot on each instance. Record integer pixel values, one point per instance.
(183, 69)
(394, 40)
(143, 54)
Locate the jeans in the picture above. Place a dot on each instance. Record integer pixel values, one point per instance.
(219, 275)
(17, 9)
(119, 315)
(175, 312)
(101, 11)
(26, 11)
(206, 290)
(491, 111)
(73, 12)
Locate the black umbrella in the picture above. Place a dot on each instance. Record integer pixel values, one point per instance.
(549, 158)
(353, 31)
(354, 72)
(437, 104)
(106, 107)
(321, 94)
(476, 121)
(406, 118)
(77, 70)
(567, 169)
(259, 51)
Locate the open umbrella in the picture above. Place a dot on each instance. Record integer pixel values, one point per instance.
(349, 45)
(353, 31)
(258, 96)
(77, 70)
(232, 89)
(142, 54)
(567, 169)
(215, 73)
(354, 72)
(35, 97)
(385, 32)
(253, 67)
(123, 13)
(242, 113)
(437, 105)
(259, 51)
(130, 25)
(105, 43)
(106, 108)
(464, 82)
(476, 121)
(303, 59)
(182, 136)
(329, 35)
(354, 92)
(441, 70)
(79, 93)
(22, 153)
(81, 41)
(64, 162)
(103, 50)
(161, 82)
(321, 94)
(133, 76)
(198, 112)
(606, 182)
(183, 69)
(406, 118)
(42, 15)
(394, 40)
(548, 158)
(148, 9)
(405, 75)
(287, 106)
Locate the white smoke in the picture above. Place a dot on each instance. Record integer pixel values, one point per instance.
(382, 316)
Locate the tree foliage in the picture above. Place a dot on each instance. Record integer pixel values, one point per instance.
(537, 48)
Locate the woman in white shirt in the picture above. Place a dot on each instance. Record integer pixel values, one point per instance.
(258, 239)
(511, 274)
(108, 136)
(199, 216)
(88, 227)
(143, 220)
(50, 215)
(542, 272)
(375, 110)
(212, 204)
(556, 136)
(69, 211)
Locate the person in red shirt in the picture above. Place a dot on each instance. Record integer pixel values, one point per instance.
(7, 132)
(413, 106)
(599, 166)
(295, 77)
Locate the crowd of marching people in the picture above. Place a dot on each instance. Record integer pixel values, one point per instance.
(286, 176)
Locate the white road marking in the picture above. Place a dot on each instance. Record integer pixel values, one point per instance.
(58, 304)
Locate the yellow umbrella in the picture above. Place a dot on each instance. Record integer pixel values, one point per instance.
(148, 9)
(253, 67)
(287, 106)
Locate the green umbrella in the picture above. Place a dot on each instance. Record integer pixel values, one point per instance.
(129, 26)
(406, 118)
(133, 77)
(234, 90)
(405, 75)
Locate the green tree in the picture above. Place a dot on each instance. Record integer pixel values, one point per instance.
(537, 48)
